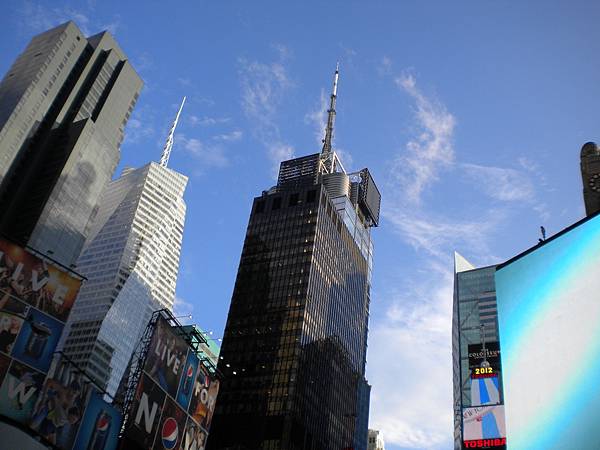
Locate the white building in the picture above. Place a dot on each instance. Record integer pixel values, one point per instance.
(131, 261)
(376, 440)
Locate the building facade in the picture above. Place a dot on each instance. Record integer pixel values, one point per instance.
(131, 262)
(64, 104)
(477, 377)
(294, 348)
(590, 175)
(376, 440)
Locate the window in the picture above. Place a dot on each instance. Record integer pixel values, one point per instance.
(294, 199)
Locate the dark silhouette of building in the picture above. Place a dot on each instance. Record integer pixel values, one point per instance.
(590, 174)
(294, 347)
(63, 106)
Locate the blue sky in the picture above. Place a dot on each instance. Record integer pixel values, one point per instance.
(470, 116)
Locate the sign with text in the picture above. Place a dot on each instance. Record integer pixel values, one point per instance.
(484, 427)
(175, 397)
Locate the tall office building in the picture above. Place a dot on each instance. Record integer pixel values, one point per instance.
(294, 346)
(63, 106)
(131, 261)
(590, 175)
(376, 440)
(477, 377)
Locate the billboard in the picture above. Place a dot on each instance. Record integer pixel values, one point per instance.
(175, 398)
(484, 427)
(549, 327)
(35, 300)
(484, 369)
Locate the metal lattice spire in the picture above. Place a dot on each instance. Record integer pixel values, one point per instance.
(164, 159)
(331, 113)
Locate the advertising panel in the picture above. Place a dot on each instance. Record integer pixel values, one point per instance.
(484, 427)
(549, 327)
(59, 408)
(35, 300)
(19, 391)
(175, 398)
(44, 286)
(204, 398)
(484, 368)
(166, 357)
(100, 426)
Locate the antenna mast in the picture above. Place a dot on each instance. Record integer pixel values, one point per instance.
(164, 159)
(328, 157)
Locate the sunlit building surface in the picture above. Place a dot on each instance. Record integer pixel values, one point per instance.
(294, 347)
(131, 262)
(64, 104)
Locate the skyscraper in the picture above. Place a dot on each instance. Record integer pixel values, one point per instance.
(477, 377)
(131, 261)
(63, 106)
(294, 347)
(590, 175)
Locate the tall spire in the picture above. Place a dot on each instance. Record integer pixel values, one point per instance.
(331, 113)
(164, 159)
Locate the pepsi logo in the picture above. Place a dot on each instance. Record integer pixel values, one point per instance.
(190, 371)
(170, 432)
(103, 423)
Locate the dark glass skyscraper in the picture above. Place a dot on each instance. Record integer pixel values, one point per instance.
(63, 106)
(294, 348)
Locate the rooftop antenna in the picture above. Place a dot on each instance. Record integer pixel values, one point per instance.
(164, 159)
(327, 156)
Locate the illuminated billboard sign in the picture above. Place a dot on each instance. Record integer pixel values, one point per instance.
(549, 327)
(484, 427)
(484, 368)
(36, 298)
(175, 398)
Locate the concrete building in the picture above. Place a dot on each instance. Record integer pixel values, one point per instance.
(63, 106)
(376, 440)
(131, 262)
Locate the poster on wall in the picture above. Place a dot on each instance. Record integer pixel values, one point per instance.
(484, 427)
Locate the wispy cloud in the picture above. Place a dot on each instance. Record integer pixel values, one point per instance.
(183, 309)
(263, 88)
(385, 66)
(232, 136)
(208, 155)
(411, 353)
(501, 183)
(34, 17)
(432, 150)
(207, 121)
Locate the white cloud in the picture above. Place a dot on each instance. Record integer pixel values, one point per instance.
(182, 308)
(232, 136)
(411, 367)
(207, 155)
(431, 151)
(501, 183)
(207, 121)
(37, 17)
(263, 89)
